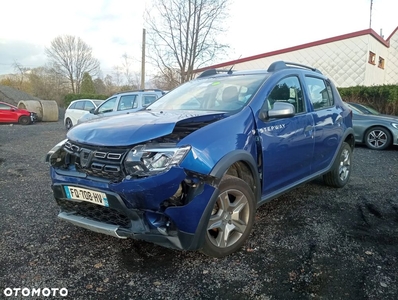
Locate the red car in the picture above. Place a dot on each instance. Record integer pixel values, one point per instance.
(11, 114)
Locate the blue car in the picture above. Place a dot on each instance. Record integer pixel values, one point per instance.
(190, 170)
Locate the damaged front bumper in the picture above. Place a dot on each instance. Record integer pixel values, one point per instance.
(143, 208)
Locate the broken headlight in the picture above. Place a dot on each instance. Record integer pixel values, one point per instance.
(146, 160)
(55, 156)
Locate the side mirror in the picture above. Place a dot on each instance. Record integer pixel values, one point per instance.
(91, 111)
(280, 110)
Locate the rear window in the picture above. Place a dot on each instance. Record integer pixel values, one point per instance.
(148, 99)
(320, 92)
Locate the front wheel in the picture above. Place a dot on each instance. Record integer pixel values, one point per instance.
(231, 219)
(68, 124)
(24, 120)
(377, 138)
(340, 173)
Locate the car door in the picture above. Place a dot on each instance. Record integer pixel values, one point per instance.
(77, 111)
(127, 103)
(7, 113)
(88, 106)
(327, 120)
(287, 143)
(106, 107)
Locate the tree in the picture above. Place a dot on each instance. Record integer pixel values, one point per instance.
(22, 71)
(168, 79)
(72, 57)
(48, 84)
(183, 34)
(87, 86)
(99, 86)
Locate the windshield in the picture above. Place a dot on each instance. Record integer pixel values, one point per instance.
(364, 109)
(227, 93)
(370, 110)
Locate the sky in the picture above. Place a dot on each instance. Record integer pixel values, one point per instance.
(114, 27)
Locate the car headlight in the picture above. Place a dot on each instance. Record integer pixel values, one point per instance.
(54, 156)
(395, 125)
(145, 160)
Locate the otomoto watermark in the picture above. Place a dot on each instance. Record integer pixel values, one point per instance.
(35, 292)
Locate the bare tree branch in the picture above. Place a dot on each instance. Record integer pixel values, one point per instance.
(71, 57)
(182, 34)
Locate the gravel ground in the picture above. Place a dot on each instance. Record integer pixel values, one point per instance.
(315, 242)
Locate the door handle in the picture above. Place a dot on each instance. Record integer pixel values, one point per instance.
(309, 131)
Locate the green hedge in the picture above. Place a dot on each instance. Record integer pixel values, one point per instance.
(383, 98)
(70, 97)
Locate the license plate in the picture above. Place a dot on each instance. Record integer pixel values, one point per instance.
(77, 193)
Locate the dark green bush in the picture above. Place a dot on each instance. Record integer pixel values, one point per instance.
(383, 98)
(70, 97)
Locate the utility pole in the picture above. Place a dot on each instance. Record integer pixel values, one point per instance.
(370, 18)
(143, 61)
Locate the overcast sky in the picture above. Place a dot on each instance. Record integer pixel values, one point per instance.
(114, 27)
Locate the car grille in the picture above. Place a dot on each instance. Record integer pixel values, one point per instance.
(104, 163)
(95, 212)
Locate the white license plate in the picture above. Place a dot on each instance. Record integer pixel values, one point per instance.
(77, 193)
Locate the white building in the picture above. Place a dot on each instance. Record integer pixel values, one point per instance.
(358, 58)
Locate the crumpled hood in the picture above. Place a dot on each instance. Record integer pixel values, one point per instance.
(129, 129)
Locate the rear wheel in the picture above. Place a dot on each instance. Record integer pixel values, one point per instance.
(232, 218)
(24, 120)
(340, 173)
(68, 124)
(378, 138)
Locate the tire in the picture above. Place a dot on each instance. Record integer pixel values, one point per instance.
(340, 173)
(24, 120)
(377, 138)
(68, 124)
(232, 218)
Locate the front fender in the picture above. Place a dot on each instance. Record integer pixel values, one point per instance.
(218, 172)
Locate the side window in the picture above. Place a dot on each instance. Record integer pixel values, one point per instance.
(320, 92)
(288, 90)
(127, 102)
(107, 106)
(148, 99)
(73, 106)
(4, 107)
(79, 105)
(88, 105)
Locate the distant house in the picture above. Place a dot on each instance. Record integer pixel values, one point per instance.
(358, 58)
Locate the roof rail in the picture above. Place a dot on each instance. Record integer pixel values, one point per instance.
(142, 90)
(212, 72)
(280, 65)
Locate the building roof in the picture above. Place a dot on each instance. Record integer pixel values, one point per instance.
(369, 31)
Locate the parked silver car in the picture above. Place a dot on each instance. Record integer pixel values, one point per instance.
(375, 130)
(123, 103)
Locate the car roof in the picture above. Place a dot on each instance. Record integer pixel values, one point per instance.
(141, 91)
(6, 103)
(86, 100)
(274, 67)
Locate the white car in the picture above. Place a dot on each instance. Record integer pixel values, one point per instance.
(123, 103)
(79, 108)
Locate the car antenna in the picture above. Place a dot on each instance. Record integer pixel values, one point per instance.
(230, 70)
